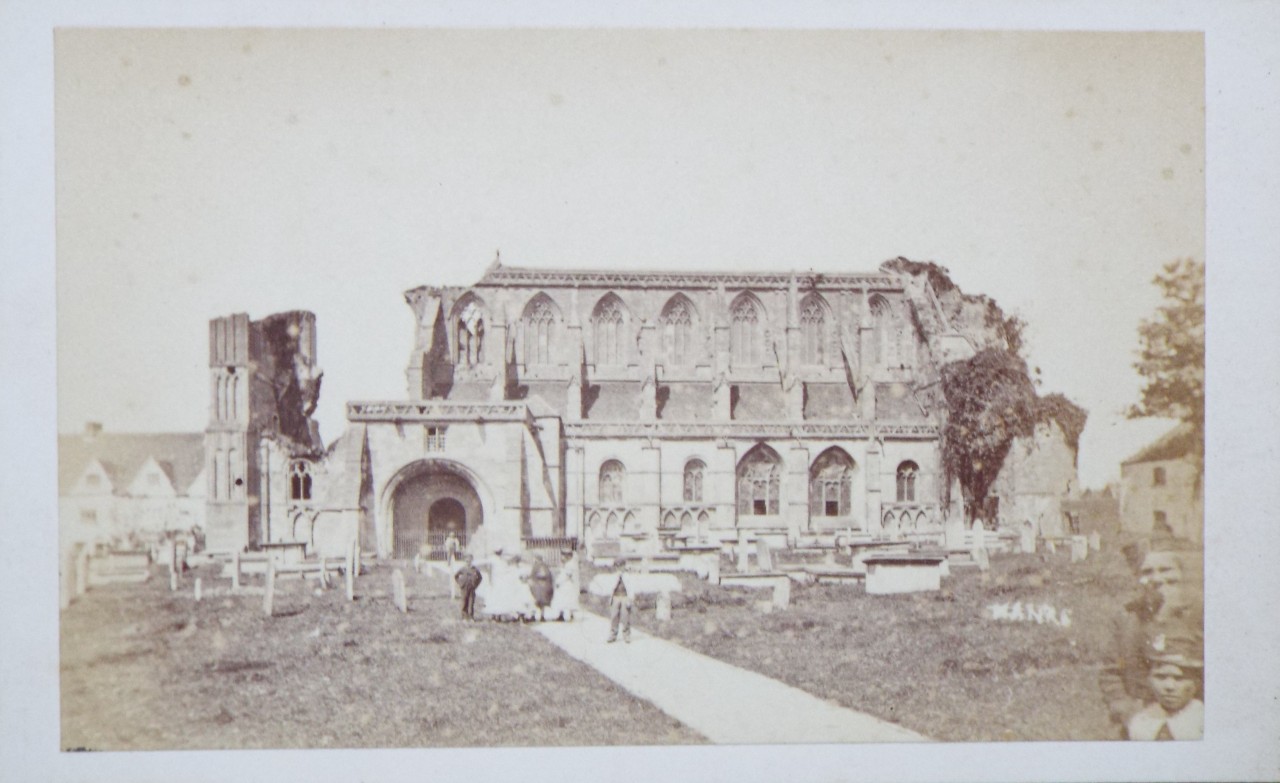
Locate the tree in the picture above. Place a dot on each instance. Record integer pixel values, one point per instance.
(1172, 352)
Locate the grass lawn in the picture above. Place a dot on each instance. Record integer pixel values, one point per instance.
(934, 663)
(143, 668)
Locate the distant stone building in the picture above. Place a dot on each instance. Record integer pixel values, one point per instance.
(621, 408)
(1037, 476)
(111, 484)
(1160, 488)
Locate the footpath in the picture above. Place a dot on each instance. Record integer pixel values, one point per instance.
(724, 703)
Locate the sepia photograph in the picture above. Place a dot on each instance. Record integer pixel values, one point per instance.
(773, 382)
(525, 387)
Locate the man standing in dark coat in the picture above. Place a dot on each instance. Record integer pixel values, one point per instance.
(468, 579)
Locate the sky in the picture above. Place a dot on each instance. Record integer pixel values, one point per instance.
(205, 172)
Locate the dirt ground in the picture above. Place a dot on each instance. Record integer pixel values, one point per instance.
(144, 668)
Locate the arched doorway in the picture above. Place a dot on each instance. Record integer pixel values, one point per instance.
(446, 516)
(432, 501)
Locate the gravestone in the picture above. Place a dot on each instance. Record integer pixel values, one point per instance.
(764, 558)
(351, 574)
(198, 586)
(1095, 541)
(982, 558)
(398, 590)
(82, 571)
(1027, 538)
(1050, 546)
(269, 594)
(173, 581)
(713, 568)
(744, 554)
(664, 607)
(235, 572)
(782, 593)
(1079, 549)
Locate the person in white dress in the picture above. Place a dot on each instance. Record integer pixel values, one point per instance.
(507, 596)
(564, 603)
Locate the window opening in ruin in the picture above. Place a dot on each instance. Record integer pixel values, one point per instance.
(907, 482)
(693, 481)
(747, 331)
(677, 325)
(88, 516)
(831, 484)
(435, 438)
(611, 476)
(881, 331)
(300, 480)
(607, 323)
(1161, 523)
(759, 480)
(540, 321)
(813, 330)
(1157, 477)
(470, 336)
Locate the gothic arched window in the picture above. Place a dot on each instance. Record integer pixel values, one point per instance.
(746, 319)
(831, 484)
(882, 332)
(759, 480)
(540, 319)
(608, 322)
(693, 471)
(612, 475)
(813, 330)
(469, 334)
(907, 472)
(677, 330)
(300, 480)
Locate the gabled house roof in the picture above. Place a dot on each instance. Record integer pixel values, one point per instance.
(1174, 444)
(179, 454)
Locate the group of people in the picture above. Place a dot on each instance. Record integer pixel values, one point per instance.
(519, 590)
(1154, 687)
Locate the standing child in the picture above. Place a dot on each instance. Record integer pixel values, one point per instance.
(620, 605)
(468, 579)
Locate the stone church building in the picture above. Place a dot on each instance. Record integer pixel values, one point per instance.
(608, 406)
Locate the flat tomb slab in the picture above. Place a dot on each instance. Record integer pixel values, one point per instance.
(831, 575)
(889, 574)
(752, 580)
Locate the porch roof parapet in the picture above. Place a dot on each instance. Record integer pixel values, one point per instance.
(435, 411)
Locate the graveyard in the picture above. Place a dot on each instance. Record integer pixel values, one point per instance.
(1011, 652)
(982, 659)
(144, 667)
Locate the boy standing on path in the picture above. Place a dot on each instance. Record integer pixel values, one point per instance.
(620, 605)
(468, 579)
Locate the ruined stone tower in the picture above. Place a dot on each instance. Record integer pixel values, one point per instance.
(263, 383)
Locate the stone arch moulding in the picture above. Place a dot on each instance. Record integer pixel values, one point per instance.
(385, 522)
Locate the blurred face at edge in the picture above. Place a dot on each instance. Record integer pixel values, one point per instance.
(1161, 573)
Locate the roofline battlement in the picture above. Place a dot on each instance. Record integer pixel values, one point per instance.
(499, 275)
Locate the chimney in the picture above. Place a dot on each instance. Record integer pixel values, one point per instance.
(92, 429)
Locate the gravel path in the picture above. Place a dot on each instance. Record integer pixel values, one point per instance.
(724, 703)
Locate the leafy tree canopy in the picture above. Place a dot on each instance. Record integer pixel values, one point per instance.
(1171, 354)
(990, 401)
